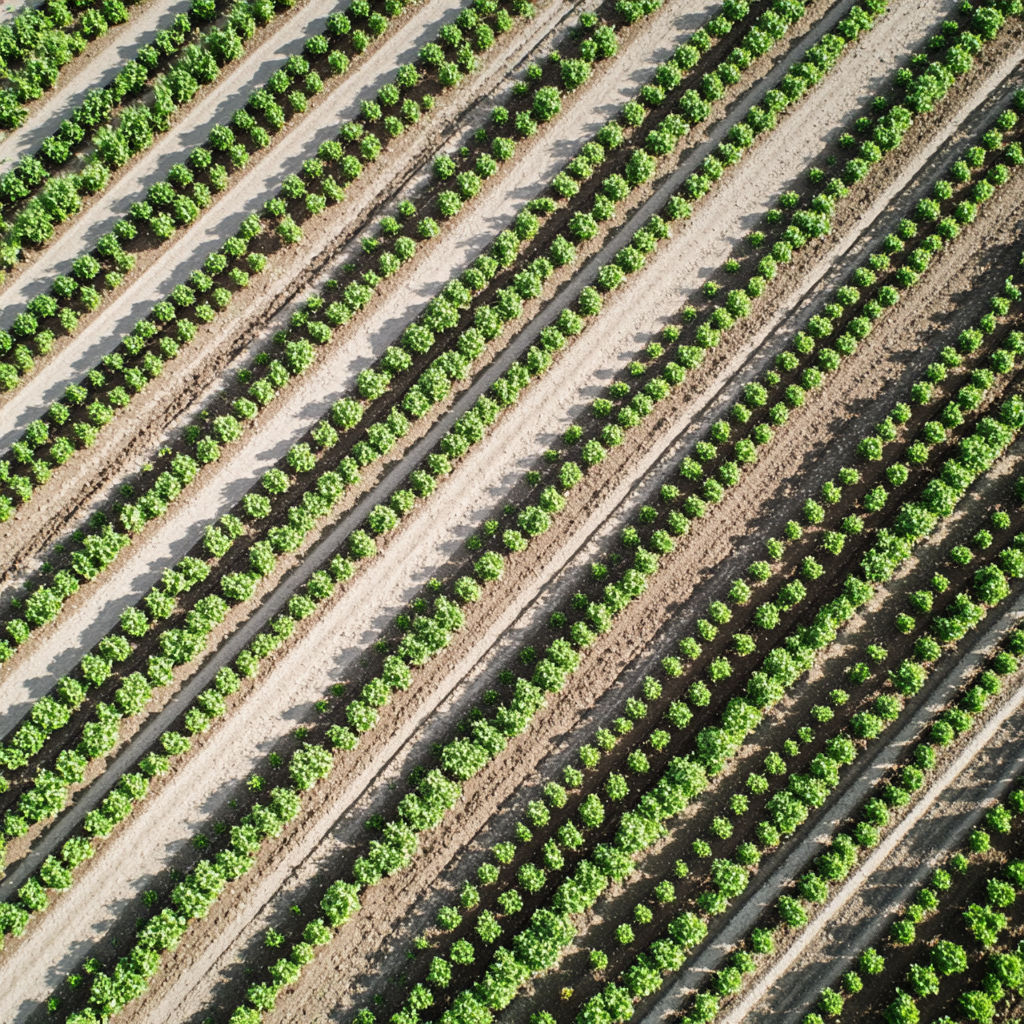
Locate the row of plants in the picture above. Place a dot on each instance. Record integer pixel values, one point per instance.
(678, 714)
(416, 399)
(935, 903)
(217, 542)
(343, 738)
(39, 41)
(342, 412)
(638, 761)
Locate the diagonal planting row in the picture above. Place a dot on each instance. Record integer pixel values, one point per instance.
(38, 198)
(341, 737)
(632, 832)
(547, 860)
(190, 186)
(325, 427)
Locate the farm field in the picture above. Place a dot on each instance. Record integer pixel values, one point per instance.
(511, 511)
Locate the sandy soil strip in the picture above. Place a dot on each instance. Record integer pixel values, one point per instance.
(317, 665)
(278, 428)
(97, 65)
(745, 917)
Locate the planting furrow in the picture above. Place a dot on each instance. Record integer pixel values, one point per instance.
(866, 918)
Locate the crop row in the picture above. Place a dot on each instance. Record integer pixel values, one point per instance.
(894, 792)
(162, 333)
(39, 41)
(38, 198)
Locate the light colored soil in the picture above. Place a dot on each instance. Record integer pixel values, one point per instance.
(306, 669)
(96, 66)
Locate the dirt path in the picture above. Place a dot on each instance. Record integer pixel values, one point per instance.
(316, 669)
(970, 756)
(97, 66)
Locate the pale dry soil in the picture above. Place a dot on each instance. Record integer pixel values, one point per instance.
(187, 250)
